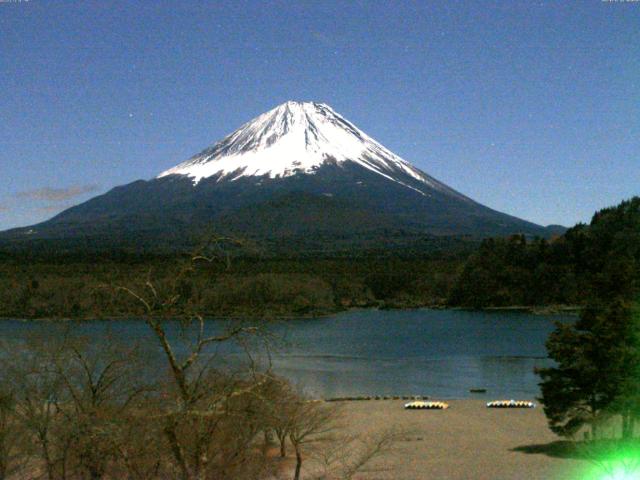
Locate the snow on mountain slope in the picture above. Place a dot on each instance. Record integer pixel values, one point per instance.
(299, 137)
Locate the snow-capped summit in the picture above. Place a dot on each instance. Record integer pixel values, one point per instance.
(293, 138)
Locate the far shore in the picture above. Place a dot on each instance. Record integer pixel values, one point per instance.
(538, 309)
(541, 310)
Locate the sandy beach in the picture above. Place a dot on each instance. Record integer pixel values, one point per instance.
(465, 442)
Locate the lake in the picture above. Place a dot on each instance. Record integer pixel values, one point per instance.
(440, 353)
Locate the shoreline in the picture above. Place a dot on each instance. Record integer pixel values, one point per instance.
(538, 309)
(541, 310)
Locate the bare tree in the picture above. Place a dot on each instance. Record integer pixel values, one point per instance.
(347, 455)
(280, 402)
(312, 422)
(141, 445)
(200, 400)
(38, 392)
(70, 398)
(101, 381)
(12, 438)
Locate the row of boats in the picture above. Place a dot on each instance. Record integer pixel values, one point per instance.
(420, 405)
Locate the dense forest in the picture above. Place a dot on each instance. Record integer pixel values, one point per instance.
(588, 260)
(499, 272)
(84, 287)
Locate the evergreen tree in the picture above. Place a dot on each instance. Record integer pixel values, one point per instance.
(627, 402)
(596, 376)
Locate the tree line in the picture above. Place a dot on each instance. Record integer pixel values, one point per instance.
(587, 261)
(250, 286)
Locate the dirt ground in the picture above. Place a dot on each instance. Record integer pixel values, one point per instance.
(466, 442)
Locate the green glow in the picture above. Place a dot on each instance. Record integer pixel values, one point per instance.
(612, 462)
(621, 473)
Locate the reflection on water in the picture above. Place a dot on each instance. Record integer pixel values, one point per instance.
(442, 353)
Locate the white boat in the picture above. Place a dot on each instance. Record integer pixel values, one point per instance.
(511, 404)
(420, 405)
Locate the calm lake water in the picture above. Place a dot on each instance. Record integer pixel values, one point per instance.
(441, 353)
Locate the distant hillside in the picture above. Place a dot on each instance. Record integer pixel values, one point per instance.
(587, 261)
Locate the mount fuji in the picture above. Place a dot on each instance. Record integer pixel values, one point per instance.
(300, 173)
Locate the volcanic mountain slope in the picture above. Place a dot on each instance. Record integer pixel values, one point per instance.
(299, 171)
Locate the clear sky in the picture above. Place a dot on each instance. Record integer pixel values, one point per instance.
(530, 107)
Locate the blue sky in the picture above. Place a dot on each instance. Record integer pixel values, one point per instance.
(530, 107)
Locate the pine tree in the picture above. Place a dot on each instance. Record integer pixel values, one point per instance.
(596, 373)
(627, 402)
